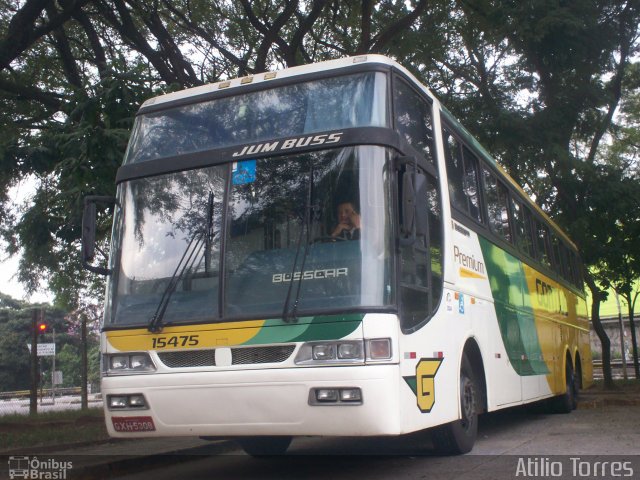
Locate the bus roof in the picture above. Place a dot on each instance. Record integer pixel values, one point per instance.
(238, 83)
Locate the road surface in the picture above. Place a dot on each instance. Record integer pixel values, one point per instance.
(517, 443)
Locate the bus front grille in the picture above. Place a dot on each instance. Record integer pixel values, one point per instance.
(189, 358)
(250, 355)
(239, 356)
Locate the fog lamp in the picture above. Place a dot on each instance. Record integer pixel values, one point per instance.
(350, 395)
(137, 401)
(117, 401)
(327, 395)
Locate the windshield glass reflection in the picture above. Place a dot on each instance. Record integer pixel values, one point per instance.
(291, 240)
(164, 219)
(317, 106)
(304, 233)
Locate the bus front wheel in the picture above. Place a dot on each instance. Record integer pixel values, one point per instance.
(265, 446)
(459, 437)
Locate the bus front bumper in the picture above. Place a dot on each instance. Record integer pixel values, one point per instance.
(257, 402)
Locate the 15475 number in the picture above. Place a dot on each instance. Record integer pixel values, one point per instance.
(176, 341)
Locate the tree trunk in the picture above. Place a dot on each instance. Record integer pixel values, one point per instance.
(599, 329)
(634, 341)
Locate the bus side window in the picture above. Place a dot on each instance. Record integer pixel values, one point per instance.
(462, 172)
(413, 119)
(497, 207)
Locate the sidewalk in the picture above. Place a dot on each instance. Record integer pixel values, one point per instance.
(595, 398)
(120, 456)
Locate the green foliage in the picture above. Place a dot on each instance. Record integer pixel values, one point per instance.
(16, 334)
(537, 82)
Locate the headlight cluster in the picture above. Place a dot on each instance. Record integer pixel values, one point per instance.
(127, 363)
(344, 351)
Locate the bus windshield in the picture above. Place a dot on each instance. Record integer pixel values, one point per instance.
(311, 230)
(357, 100)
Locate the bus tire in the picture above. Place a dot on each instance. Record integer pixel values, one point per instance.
(265, 446)
(459, 437)
(568, 401)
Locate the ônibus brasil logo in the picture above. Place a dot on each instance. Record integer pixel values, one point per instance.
(34, 468)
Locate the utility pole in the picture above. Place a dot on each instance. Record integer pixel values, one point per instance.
(622, 349)
(35, 380)
(84, 397)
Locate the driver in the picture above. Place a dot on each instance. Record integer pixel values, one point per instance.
(348, 222)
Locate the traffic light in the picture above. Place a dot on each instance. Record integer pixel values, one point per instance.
(42, 328)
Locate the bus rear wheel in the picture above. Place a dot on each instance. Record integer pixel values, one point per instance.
(265, 446)
(568, 401)
(459, 437)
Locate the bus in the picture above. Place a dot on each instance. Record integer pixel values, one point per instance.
(325, 250)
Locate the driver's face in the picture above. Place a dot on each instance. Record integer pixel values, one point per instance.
(346, 213)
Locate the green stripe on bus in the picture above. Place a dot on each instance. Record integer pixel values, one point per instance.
(325, 327)
(513, 308)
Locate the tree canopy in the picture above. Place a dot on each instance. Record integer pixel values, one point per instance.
(550, 87)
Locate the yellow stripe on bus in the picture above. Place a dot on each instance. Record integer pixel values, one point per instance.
(183, 337)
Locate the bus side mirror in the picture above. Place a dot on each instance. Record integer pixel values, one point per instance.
(89, 232)
(413, 200)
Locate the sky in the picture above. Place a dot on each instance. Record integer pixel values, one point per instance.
(20, 194)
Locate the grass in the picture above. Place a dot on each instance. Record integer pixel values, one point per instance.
(51, 429)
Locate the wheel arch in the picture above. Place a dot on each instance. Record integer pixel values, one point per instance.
(472, 351)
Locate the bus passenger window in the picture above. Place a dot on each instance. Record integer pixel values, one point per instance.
(462, 172)
(497, 207)
(555, 246)
(542, 250)
(522, 226)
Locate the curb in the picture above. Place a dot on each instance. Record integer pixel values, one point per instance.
(591, 402)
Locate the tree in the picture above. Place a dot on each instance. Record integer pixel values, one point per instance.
(537, 82)
(619, 263)
(15, 335)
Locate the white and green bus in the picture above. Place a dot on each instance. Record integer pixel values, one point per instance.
(325, 250)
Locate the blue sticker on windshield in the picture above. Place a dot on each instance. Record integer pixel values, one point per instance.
(243, 172)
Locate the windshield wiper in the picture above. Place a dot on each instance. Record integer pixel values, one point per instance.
(290, 316)
(190, 258)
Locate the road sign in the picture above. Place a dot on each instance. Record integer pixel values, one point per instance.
(46, 349)
(57, 377)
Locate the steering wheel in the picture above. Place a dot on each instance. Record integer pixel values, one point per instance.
(328, 238)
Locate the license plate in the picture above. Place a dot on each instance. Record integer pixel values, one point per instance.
(133, 424)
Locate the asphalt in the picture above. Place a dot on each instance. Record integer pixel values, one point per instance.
(120, 456)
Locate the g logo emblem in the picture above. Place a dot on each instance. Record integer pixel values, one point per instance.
(426, 370)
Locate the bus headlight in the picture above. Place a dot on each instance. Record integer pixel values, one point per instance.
(319, 353)
(323, 352)
(125, 364)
